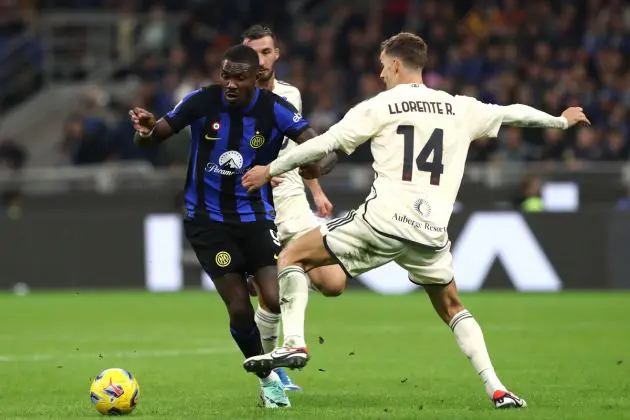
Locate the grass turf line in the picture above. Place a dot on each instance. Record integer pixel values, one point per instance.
(382, 357)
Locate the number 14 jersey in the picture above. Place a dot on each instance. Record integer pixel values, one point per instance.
(420, 140)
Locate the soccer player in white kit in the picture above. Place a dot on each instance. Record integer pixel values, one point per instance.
(420, 139)
(294, 216)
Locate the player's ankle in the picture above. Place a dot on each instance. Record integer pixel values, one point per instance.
(265, 379)
(294, 341)
(491, 381)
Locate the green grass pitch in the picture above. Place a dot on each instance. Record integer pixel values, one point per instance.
(379, 357)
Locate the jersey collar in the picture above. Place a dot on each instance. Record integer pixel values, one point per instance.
(416, 85)
(248, 107)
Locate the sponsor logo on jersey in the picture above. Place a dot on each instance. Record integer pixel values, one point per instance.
(230, 163)
(216, 126)
(297, 117)
(401, 218)
(257, 140)
(423, 207)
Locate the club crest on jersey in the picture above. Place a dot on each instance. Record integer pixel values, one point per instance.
(423, 207)
(215, 126)
(257, 140)
(223, 259)
(230, 163)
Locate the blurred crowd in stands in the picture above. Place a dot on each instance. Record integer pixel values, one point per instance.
(544, 53)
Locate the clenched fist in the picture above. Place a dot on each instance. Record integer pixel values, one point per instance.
(143, 121)
(575, 115)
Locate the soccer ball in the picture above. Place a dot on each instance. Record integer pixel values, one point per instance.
(114, 392)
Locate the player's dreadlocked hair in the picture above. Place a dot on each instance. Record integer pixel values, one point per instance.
(240, 53)
(407, 47)
(259, 31)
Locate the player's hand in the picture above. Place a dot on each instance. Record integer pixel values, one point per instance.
(276, 180)
(575, 115)
(323, 205)
(143, 121)
(255, 178)
(311, 171)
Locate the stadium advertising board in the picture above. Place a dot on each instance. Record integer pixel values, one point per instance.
(94, 243)
(540, 253)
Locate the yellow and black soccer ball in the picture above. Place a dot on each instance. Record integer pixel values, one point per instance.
(115, 392)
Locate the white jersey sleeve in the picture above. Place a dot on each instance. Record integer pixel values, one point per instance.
(486, 119)
(358, 125)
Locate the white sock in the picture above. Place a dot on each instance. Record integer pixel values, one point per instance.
(470, 339)
(293, 301)
(273, 376)
(269, 327)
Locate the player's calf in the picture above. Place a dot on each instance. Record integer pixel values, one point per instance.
(469, 336)
(266, 280)
(329, 280)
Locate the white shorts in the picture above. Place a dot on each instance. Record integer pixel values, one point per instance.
(300, 220)
(359, 248)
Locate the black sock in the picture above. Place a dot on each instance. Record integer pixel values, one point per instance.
(248, 340)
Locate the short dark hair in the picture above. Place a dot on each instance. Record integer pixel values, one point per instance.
(240, 53)
(259, 31)
(409, 48)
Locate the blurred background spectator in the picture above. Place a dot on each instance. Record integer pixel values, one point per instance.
(528, 198)
(543, 53)
(13, 157)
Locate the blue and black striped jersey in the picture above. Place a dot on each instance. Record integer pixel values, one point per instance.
(227, 141)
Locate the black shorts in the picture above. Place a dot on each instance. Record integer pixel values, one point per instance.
(233, 248)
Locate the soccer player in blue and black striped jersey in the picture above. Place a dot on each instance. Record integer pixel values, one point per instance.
(234, 126)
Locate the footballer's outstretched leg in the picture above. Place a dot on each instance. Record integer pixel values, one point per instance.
(233, 290)
(269, 326)
(447, 304)
(305, 252)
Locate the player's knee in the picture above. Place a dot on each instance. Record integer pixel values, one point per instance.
(331, 291)
(285, 258)
(329, 281)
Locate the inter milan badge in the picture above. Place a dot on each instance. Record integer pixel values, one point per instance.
(223, 259)
(216, 126)
(257, 140)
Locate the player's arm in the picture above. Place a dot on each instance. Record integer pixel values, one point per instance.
(321, 166)
(294, 126)
(519, 115)
(150, 132)
(488, 118)
(311, 172)
(357, 126)
(322, 203)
